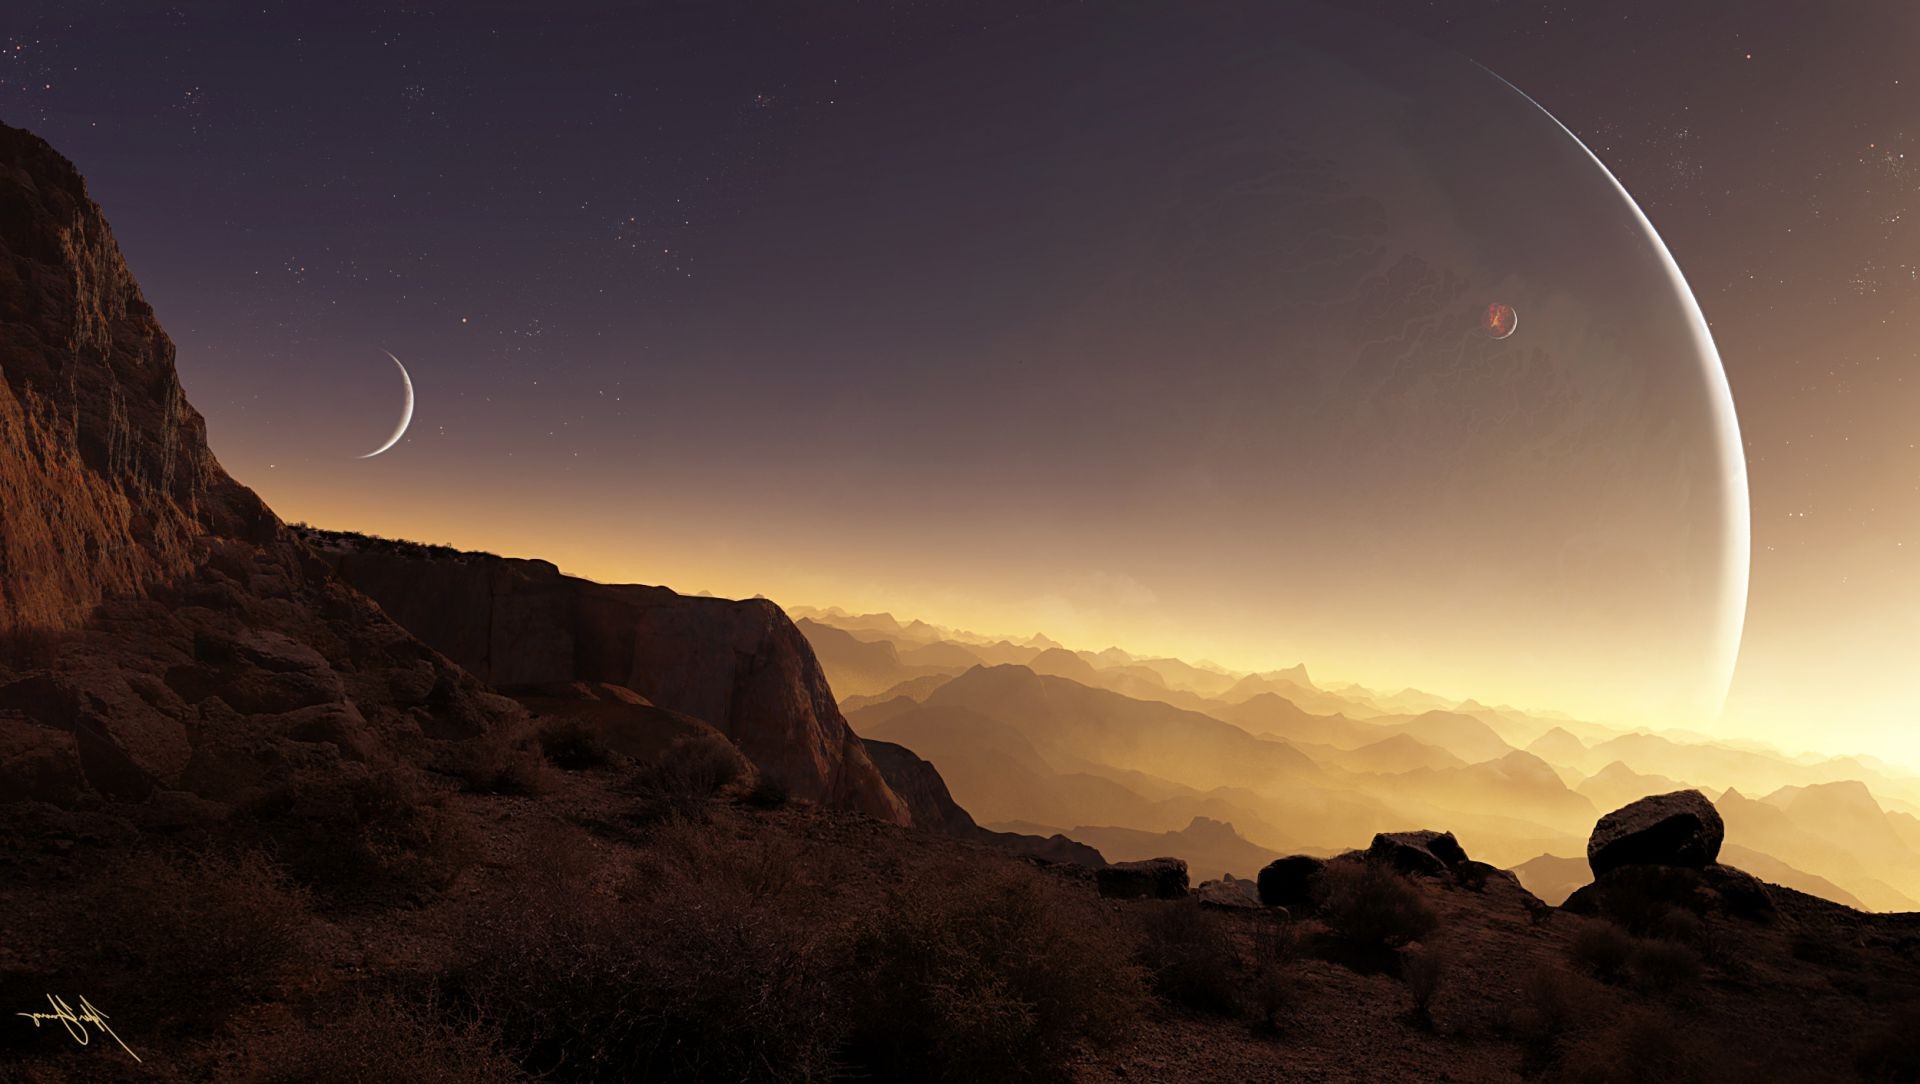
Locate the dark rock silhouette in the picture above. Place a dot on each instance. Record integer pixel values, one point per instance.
(919, 785)
(1288, 882)
(740, 666)
(1153, 879)
(1427, 852)
(1680, 828)
(162, 631)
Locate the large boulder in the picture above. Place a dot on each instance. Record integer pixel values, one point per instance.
(1288, 882)
(1431, 853)
(1680, 828)
(1153, 879)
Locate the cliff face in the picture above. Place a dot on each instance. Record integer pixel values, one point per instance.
(106, 481)
(159, 628)
(740, 666)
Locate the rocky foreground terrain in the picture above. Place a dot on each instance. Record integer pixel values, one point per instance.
(290, 805)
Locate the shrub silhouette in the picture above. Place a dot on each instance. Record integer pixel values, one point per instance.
(1601, 949)
(383, 1038)
(686, 776)
(705, 963)
(166, 944)
(1370, 907)
(1424, 970)
(357, 835)
(971, 973)
(1663, 966)
(1891, 1050)
(1189, 957)
(574, 745)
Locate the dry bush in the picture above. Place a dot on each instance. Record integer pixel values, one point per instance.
(383, 1039)
(1639, 1047)
(1424, 970)
(768, 793)
(1601, 949)
(1891, 1049)
(360, 836)
(994, 973)
(710, 961)
(686, 776)
(1275, 986)
(1664, 966)
(1551, 1004)
(499, 764)
(1189, 957)
(1651, 901)
(575, 745)
(1370, 907)
(177, 943)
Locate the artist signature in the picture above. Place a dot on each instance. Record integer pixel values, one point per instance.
(77, 1023)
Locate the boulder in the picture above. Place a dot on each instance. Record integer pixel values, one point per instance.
(1230, 893)
(1680, 828)
(1153, 879)
(1288, 882)
(1430, 853)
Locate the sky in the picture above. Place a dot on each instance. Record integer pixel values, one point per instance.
(862, 305)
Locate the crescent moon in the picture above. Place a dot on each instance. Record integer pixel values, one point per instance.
(406, 412)
(1736, 511)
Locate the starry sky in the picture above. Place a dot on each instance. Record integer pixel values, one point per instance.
(526, 202)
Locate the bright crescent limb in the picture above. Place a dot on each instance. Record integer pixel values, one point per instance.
(406, 413)
(1736, 512)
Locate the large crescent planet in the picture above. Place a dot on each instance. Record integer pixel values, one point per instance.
(1173, 334)
(406, 411)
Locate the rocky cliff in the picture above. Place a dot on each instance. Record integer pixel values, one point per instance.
(740, 666)
(919, 785)
(159, 628)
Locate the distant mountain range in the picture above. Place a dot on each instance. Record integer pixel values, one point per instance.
(1132, 754)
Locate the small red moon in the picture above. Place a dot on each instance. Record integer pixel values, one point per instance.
(1500, 320)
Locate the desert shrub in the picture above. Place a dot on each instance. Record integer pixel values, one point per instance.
(1274, 987)
(1664, 966)
(710, 961)
(1601, 949)
(177, 943)
(574, 745)
(1424, 970)
(383, 1039)
(1189, 957)
(1891, 1049)
(356, 835)
(494, 764)
(987, 974)
(1639, 1047)
(1371, 907)
(1650, 901)
(768, 793)
(1550, 1005)
(686, 776)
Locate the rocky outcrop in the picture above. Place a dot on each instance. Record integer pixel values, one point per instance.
(1153, 879)
(1229, 893)
(1680, 828)
(1289, 881)
(1426, 852)
(160, 631)
(919, 785)
(741, 667)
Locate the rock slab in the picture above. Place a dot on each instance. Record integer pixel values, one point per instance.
(1680, 828)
